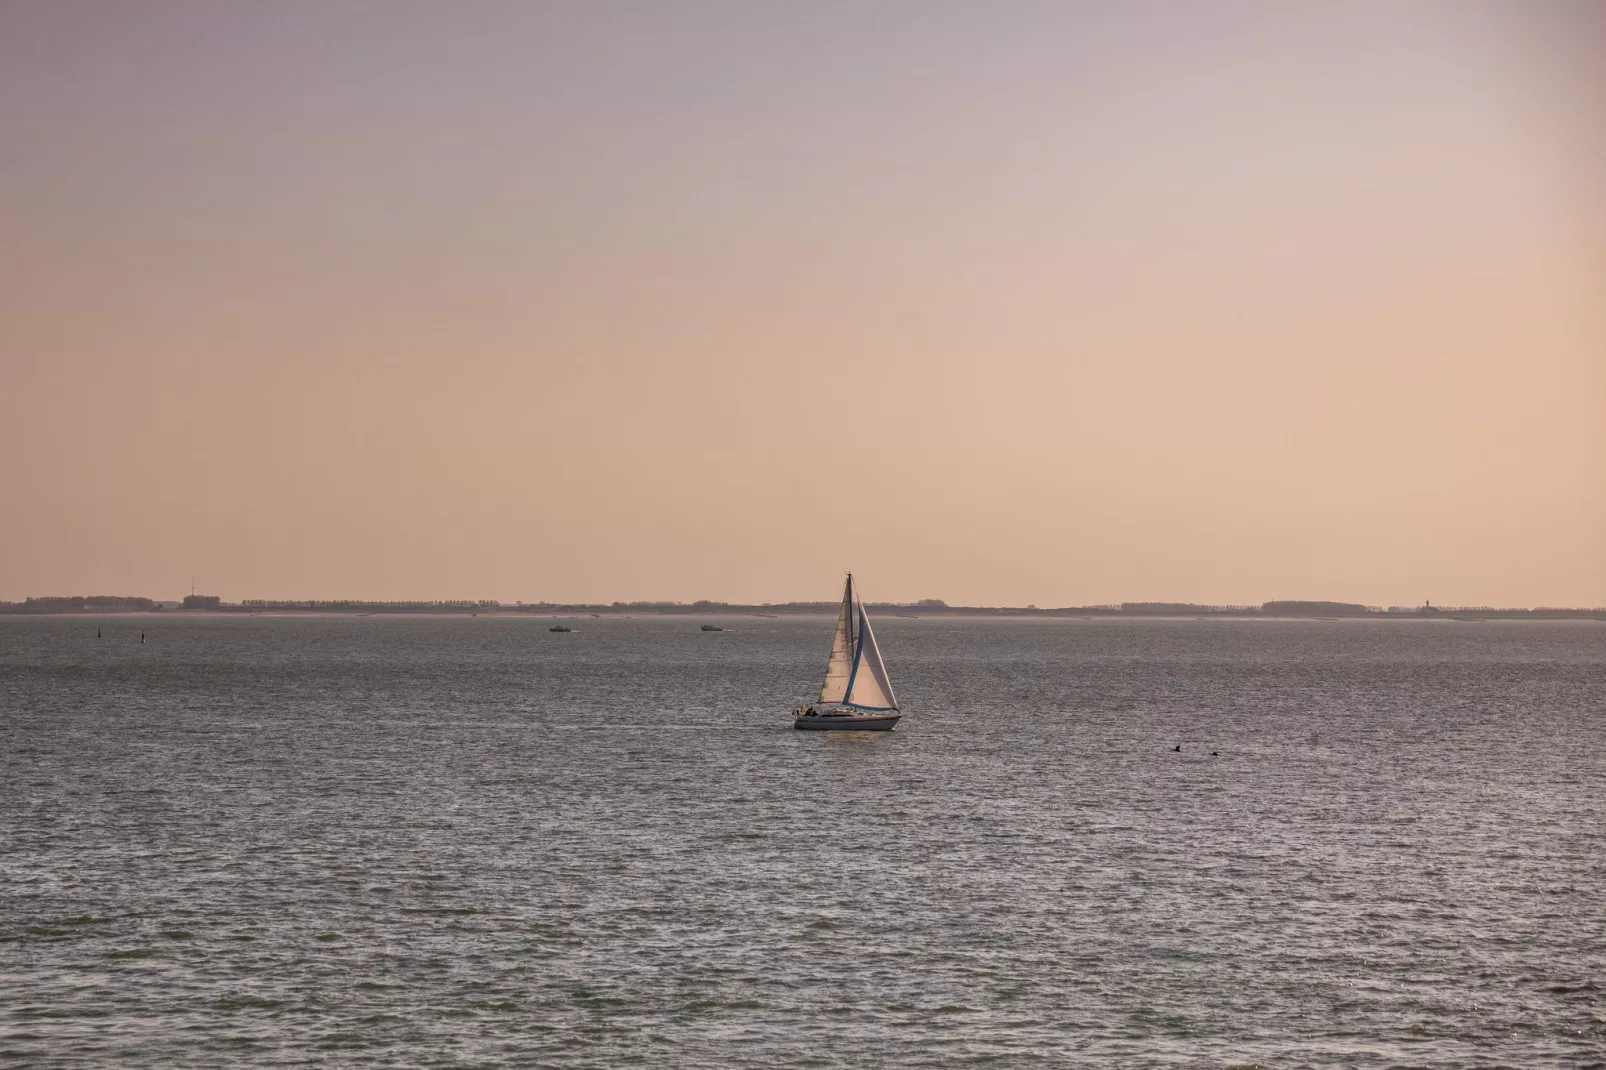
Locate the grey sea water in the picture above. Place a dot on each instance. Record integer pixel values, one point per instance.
(397, 842)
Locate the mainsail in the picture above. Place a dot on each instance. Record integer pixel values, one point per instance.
(839, 670)
(856, 676)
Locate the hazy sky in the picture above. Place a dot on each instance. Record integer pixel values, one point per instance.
(995, 302)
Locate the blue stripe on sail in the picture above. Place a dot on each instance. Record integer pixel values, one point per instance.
(858, 652)
(872, 709)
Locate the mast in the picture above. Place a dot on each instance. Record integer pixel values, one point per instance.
(851, 597)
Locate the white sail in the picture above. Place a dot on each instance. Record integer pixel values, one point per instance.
(839, 670)
(868, 686)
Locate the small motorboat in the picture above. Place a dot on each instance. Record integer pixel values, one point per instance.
(560, 628)
(712, 628)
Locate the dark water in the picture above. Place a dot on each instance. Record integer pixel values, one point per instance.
(472, 842)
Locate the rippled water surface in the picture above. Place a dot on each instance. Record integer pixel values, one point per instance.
(473, 842)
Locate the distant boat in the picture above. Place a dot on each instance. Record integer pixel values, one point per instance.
(856, 694)
(560, 628)
(712, 628)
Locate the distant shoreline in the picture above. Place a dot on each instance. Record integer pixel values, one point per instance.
(1271, 611)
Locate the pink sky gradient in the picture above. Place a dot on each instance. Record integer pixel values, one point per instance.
(1056, 303)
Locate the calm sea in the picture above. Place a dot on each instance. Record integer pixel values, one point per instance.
(399, 842)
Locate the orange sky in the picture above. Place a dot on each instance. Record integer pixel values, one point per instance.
(1047, 303)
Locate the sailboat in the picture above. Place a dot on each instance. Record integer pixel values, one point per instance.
(856, 694)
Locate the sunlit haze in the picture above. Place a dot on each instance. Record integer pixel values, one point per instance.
(1052, 303)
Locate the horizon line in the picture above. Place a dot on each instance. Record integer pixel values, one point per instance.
(1273, 607)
